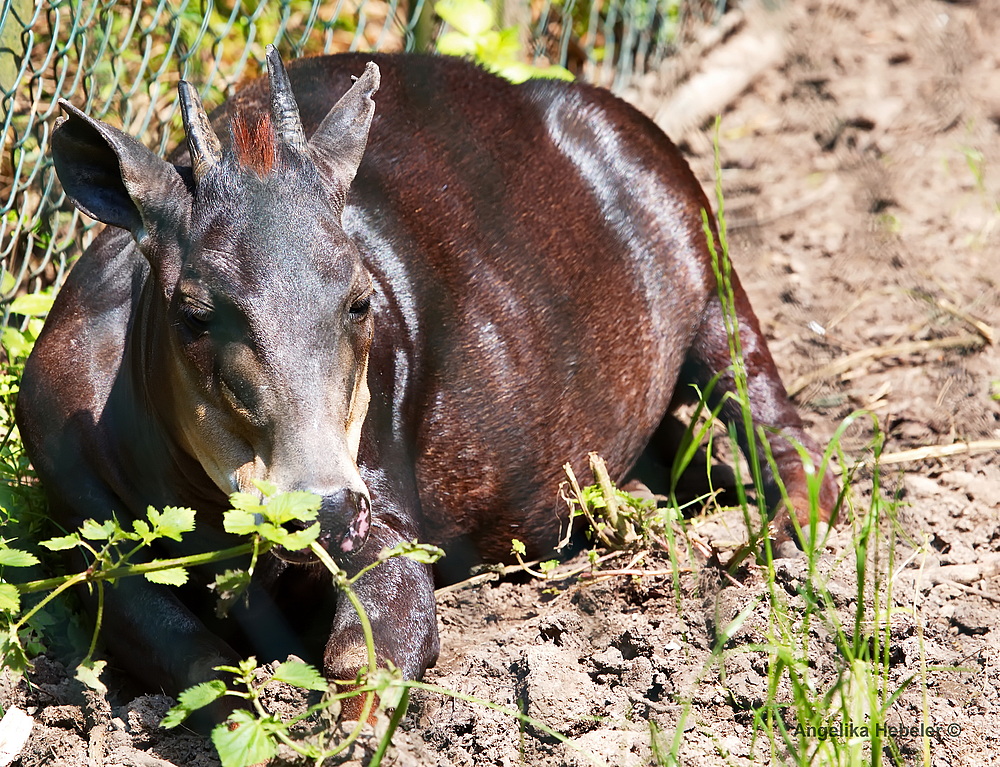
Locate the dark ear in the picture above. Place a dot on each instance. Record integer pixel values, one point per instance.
(339, 143)
(112, 177)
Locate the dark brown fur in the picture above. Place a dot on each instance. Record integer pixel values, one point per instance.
(519, 273)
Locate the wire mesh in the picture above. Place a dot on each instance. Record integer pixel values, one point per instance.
(121, 62)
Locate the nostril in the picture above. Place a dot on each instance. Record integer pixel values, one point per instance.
(346, 518)
(296, 525)
(357, 532)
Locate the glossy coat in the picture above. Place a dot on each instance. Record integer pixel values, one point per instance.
(542, 288)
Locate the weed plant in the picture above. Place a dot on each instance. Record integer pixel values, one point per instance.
(806, 719)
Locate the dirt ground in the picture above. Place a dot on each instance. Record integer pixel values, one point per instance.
(862, 180)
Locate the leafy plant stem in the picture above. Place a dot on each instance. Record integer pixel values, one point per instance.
(397, 717)
(59, 585)
(366, 628)
(92, 576)
(98, 621)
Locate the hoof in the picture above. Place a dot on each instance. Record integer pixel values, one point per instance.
(789, 548)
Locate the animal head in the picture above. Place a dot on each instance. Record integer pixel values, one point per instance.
(262, 305)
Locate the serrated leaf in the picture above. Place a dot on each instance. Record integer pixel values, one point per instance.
(301, 675)
(175, 576)
(95, 531)
(10, 598)
(17, 558)
(245, 502)
(62, 543)
(419, 552)
(249, 743)
(295, 505)
(267, 488)
(89, 674)
(33, 305)
(470, 17)
(297, 540)
(388, 683)
(12, 653)
(172, 522)
(174, 717)
(239, 522)
(192, 699)
(143, 530)
(230, 586)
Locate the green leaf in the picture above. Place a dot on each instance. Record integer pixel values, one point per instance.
(202, 694)
(247, 744)
(12, 653)
(62, 543)
(7, 281)
(295, 505)
(192, 699)
(172, 522)
(93, 531)
(10, 598)
(266, 488)
(301, 675)
(470, 17)
(143, 530)
(297, 540)
(230, 586)
(245, 502)
(175, 576)
(15, 343)
(35, 305)
(553, 72)
(388, 683)
(418, 552)
(507, 44)
(239, 522)
(456, 44)
(17, 558)
(517, 547)
(89, 673)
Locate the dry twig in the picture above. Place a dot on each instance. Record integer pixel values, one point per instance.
(857, 359)
(937, 451)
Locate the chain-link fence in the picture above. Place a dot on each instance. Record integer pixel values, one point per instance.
(121, 62)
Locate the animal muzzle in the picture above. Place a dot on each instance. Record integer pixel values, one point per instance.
(352, 508)
(345, 519)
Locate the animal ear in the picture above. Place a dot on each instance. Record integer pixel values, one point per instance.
(339, 143)
(112, 177)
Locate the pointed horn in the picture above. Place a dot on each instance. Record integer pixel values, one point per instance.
(284, 111)
(203, 144)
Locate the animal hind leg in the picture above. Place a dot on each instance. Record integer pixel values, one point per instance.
(769, 407)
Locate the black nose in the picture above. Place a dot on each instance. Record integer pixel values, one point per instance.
(345, 520)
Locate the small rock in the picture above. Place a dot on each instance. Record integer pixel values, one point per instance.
(609, 660)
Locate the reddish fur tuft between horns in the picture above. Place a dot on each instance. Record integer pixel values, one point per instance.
(254, 142)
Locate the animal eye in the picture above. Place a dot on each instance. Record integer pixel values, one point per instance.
(361, 306)
(195, 316)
